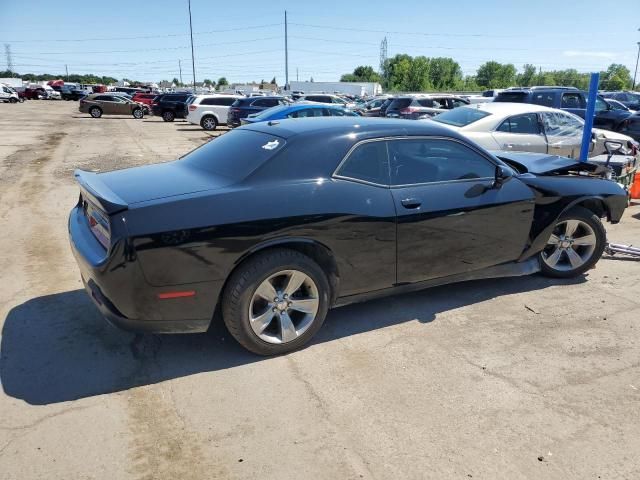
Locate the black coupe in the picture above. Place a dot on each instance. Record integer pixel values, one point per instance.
(274, 223)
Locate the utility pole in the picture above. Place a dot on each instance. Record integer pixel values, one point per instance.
(286, 54)
(297, 79)
(66, 69)
(180, 69)
(636, 72)
(193, 61)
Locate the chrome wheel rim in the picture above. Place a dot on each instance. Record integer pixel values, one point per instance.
(95, 113)
(209, 124)
(284, 306)
(570, 246)
(137, 113)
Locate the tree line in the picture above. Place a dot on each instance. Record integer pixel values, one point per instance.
(404, 73)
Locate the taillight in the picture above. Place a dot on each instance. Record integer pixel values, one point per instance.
(192, 108)
(154, 104)
(235, 110)
(409, 110)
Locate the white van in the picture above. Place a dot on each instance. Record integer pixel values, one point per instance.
(8, 94)
(209, 111)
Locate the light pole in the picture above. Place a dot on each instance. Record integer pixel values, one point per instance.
(193, 61)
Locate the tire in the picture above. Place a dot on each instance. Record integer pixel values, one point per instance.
(241, 300)
(209, 122)
(168, 116)
(567, 256)
(95, 112)
(13, 100)
(138, 113)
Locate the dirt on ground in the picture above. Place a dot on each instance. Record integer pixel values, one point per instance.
(521, 378)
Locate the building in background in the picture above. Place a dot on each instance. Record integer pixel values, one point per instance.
(353, 88)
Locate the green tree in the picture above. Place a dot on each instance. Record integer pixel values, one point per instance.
(273, 81)
(496, 75)
(527, 77)
(444, 73)
(361, 74)
(222, 82)
(617, 77)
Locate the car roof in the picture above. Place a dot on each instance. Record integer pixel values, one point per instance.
(365, 127)
(510, 107)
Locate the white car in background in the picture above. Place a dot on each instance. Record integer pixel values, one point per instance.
(209, 111)
(527, 127)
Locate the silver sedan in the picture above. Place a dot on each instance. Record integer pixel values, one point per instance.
(529, 128)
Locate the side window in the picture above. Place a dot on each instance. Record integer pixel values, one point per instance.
(307, 112)
(426, 102)
(102, 98)
(368, 162)
(600, 104)
(425, 161)
(456, 102)
(265, 102)
(542, 98)
(334, 112)
(527, 124)
(560, 124)
(572, 100)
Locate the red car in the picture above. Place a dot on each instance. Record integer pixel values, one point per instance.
(35, 93)
(146, 98)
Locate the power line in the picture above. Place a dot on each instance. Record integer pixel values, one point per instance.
(142, 37)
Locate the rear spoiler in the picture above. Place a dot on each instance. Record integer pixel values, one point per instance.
(99, 193)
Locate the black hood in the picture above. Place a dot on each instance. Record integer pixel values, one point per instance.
(544, 164)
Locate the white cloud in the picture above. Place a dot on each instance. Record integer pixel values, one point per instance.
(587, 53)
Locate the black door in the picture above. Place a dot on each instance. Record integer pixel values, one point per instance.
(450, 217)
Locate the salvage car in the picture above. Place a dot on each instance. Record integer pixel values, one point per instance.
(414, 107)
(274, 223)
(299, 110)
(98, 104)
(529, 128)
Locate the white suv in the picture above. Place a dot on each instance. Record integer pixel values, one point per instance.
(209, 111)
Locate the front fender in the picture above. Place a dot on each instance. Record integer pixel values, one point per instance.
(555, 195)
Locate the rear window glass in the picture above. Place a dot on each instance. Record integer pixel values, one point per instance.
(518, 97)
(461, 116)
(236, 154)
(545, 99)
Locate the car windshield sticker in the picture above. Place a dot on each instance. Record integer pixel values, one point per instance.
(271, 145)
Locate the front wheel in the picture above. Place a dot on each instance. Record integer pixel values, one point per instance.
(209, 123)
(95, 112)
(138, 113)
(168, 116)
(575, 245)
(275, 301)
(13, 100)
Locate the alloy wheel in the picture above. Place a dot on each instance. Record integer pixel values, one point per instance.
(570, 246)
(283, 306)
(209, 124)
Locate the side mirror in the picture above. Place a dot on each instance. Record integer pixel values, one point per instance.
(502, 176)
(612, 146)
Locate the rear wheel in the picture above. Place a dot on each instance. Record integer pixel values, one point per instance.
(576, 244)
(95, 112)
(168, 116)
(138, 113)
(209, 122)
(276, 301)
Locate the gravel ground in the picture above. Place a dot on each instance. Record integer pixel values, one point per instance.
(522, 378)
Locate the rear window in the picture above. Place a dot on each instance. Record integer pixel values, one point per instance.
(235, 155)
(400, 103)
(517, 97)
(461, 116)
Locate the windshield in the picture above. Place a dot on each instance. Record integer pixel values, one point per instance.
(235, 155)
(461, 116)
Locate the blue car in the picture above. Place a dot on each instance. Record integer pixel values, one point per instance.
(300, 110)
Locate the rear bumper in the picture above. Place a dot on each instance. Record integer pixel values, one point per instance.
(119, 290)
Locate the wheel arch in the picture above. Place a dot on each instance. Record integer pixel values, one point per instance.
(318, 252)
(209, 114)
(593, 203)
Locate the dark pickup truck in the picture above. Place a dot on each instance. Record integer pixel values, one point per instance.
(568, 99)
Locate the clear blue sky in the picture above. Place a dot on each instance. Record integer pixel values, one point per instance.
(244, 40)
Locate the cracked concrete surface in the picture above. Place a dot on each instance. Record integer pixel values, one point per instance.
(461, 381)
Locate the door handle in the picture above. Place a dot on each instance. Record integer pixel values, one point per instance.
(411, 202)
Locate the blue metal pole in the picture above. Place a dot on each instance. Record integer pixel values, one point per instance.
(588, 116)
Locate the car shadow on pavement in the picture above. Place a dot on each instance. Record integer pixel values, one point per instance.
(58, 348)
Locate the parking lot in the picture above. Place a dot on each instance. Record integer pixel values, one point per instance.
(520, 378)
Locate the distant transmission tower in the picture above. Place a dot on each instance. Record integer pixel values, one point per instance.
(7, 52)
(383, 55)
